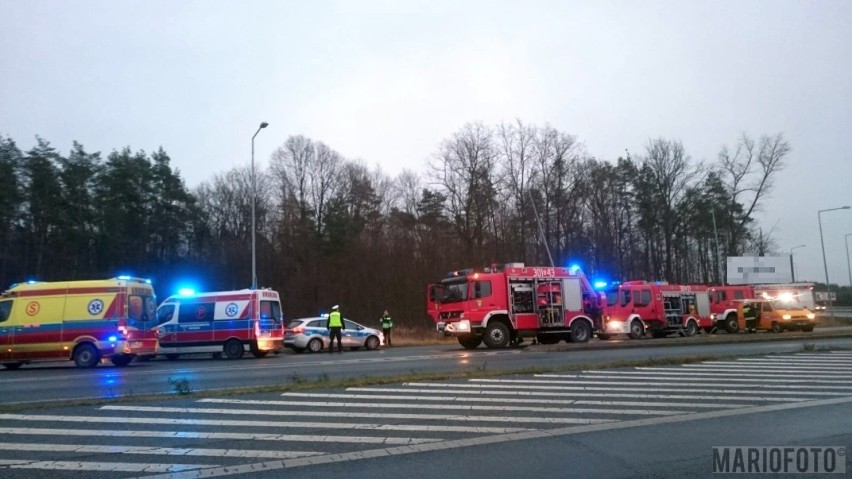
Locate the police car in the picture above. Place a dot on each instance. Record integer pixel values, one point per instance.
(310, 334)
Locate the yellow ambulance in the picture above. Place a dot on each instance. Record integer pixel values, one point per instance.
(83, 321)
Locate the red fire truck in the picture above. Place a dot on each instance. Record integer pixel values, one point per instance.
(501, 305)
(726, 301)
(638, 307)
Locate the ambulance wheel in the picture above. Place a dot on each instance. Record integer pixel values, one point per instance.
(256, 352)
(636, 330)
(496, 335)
(233, 349)
(86, 356)
(372, 343)
(776, 328)
(581, 332)
(12, 365)
(470, 341)
(315, 345)
(731, 324)
(691, 328)
(121, 360)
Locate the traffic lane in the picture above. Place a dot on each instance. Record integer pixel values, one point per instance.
(665, 450)
(303, 429)
(49, 382)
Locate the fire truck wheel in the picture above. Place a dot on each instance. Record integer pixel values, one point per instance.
(776, 328)
(731, 324)
(470, 341)
(121, 360)
(691, 328)
(636, 330)
(233, 349)
(581, 332)
(86, 356)
(315, 345)
(496, 335)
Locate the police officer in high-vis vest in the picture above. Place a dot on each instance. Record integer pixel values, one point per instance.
(387, 325)
(335, 325)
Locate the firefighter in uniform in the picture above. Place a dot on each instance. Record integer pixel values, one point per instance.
(750, 314)
(335, 326)
(387, 325)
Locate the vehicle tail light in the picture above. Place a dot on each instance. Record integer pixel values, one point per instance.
(299, 329)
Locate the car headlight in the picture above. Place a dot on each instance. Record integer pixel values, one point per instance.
(811, 316)
(463, 325)
(614, 325)
(786, 317)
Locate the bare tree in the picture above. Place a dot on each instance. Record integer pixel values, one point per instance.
(748, 173)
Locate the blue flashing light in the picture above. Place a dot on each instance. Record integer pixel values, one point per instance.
(32, 281)
(148, 281)
(112, 339)
(574, 268)
(600, 284)
(186, 292)
(124, 277)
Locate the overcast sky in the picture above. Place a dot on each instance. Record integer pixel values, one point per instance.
(386, 81)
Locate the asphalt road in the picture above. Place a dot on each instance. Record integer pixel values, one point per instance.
(650, 421)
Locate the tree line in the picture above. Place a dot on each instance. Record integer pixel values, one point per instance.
(331, 230)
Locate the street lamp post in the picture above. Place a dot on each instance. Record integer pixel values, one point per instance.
(253, 201)
(848, 265)
(824, 263)
(793, 265)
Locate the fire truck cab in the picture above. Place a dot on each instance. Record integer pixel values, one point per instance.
(639, 307)
(501, 305)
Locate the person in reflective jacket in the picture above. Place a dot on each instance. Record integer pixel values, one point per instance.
(335, 325)
(387, 325)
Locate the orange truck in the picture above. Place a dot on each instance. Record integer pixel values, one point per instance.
(82, 321)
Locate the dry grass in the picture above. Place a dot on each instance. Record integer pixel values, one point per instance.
(408, 336)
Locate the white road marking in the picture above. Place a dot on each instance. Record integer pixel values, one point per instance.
(666, 373)
(485, 440)
(103, 466)
(349, 414)
(218, 436)
(667, 382)
(261, 424)
(744, 372)
(768, 367)
(443, 407)
(625, 377)
(797, 361)
(447, 399)
(506, 384)
(158, 451)
(691, 397)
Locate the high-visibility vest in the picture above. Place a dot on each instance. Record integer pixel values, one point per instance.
(387, 321)
(334, 320)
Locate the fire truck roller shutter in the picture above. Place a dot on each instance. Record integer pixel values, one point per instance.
(572, 294)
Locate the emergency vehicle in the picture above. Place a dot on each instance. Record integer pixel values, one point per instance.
(777, 315)
(501, 305)
(83, 321)
(726, 301)
(222, 322)
(638, 307)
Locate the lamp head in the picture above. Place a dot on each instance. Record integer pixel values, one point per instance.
(265, 124)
